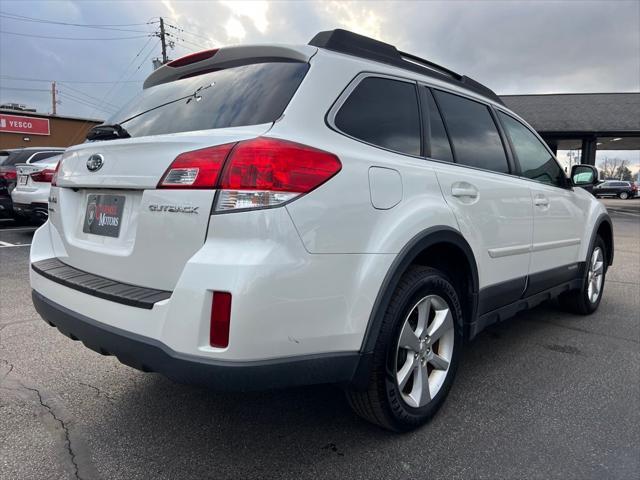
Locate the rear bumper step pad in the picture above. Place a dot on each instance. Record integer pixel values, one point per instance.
(124, 293)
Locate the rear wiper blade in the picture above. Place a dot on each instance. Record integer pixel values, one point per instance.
(107, 132)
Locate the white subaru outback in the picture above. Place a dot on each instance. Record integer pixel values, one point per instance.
(338, 212)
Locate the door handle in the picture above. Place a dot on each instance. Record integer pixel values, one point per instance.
(464, 189)
(541, 201)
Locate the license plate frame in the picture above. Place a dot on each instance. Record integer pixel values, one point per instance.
(103, 214)
(23, 180)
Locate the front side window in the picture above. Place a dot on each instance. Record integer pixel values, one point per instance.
(475, 137)
(535, 160)
(383, 112)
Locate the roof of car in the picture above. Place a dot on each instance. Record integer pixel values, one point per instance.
(344, 41)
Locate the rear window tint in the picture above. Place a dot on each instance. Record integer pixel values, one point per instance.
(233, 97)
(475, 137)
(383, 112)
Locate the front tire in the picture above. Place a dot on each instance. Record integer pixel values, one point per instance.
(416, 354)
(586, 299)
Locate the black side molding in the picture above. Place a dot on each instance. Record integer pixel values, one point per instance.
(98, 286)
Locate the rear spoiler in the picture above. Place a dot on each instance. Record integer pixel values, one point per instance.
(227, 57)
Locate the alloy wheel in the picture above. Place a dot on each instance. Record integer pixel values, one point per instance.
(424, 350)
(595, 276)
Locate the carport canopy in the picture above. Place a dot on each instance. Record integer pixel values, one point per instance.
(585, 121)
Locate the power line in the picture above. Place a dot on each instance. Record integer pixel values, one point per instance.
(27, 79)
(86, 104)
(72, 38)
(26, 89)
(10, 17)
(86, 94)
(42, 20)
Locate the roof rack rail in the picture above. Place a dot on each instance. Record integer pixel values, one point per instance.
(344, 41)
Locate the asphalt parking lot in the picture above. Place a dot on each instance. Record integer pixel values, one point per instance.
(544, 395)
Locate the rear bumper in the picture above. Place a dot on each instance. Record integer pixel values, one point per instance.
(6, 206)
(31, 210)
(150, 355)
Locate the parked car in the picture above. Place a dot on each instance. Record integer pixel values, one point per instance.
(337, 212)
(8, 173)
(31, 194)
(615, 188)
(5, 200)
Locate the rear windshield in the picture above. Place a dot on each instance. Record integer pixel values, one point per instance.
(245, 95)
(21, 156)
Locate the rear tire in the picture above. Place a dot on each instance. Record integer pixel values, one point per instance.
(416, 354)
(623, 195)
(586, 299)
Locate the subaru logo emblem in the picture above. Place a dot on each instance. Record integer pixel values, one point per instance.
(95, 162)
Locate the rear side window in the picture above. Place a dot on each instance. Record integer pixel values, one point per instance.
(238, 96)
(475, 137)
(438, 146)
(383, 112)
(535, 160)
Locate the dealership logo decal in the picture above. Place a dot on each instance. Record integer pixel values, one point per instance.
(173, 208)
(103, 215)
(95, 162)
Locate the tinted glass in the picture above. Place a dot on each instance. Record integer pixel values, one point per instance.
(383, 112)
(42, 156)
(474, 134)
(438, 142)
(233, 97)
(19, 156)
(535, 160)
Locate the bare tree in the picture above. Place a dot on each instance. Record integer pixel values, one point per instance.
(612, 168)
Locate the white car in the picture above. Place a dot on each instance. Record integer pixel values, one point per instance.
(31, 195)
(337, 212)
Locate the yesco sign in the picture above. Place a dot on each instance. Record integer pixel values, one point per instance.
(20, 124)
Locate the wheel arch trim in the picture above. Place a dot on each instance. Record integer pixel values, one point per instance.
(425, 239)
(602, 218)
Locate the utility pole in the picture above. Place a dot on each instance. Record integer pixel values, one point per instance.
(163, 41)
(54, 102)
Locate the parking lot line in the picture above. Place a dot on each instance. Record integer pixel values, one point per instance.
(19, 229)
(7, 244)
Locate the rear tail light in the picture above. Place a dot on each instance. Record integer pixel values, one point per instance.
(8, 174)
(220, 319)
(45, 176)
(258, 173)
(265, 172)
(196, 169)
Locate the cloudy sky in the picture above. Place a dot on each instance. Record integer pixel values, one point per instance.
(512, 46)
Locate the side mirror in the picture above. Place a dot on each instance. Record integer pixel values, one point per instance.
(584, 176)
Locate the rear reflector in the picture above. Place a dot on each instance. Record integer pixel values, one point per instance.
(196, 169)
(44, 176)
(192, 58)
(220, 319)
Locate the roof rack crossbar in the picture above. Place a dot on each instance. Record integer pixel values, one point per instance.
(344, 41)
